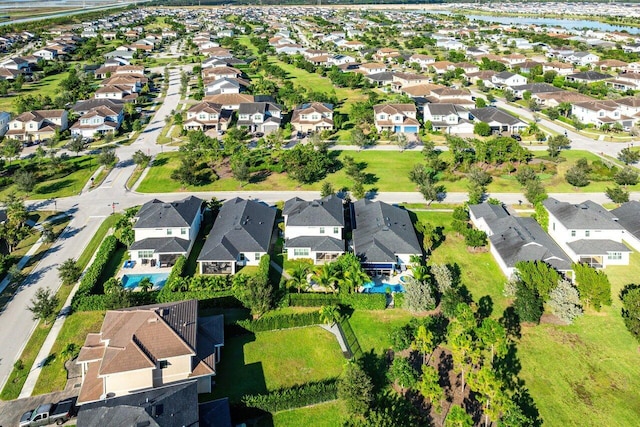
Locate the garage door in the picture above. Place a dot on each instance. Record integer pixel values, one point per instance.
(411, 129)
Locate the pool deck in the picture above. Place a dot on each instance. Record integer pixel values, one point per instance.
(142, 269)
(386, 280)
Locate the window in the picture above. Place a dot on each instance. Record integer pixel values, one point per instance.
(183, 231)
(300, 252)
(587, 233)
(336, 230)
(573, 233)
(145, 254)
(321, 230)
(169, 232)
(614, 255)
(241, 257)
(256, 256)
(164, 364)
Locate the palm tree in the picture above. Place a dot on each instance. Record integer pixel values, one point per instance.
(145, 284)
(299, 276)
(420, 272)
(329, 314)
(325, 276)
(353, 278)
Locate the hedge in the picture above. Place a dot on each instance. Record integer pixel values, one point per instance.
(101, 302)
(359, 301)
(294, 397)
(281, 321)
(398, 300)
(207, 299)
(313, 300)
(364, 301)
(177, 272)
(90, 279)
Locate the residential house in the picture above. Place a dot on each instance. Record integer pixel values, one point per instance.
(312, 117)
(498, 120)
(533, 89)
(315, 229)
(598, 113)
(386, 54)
(441, 67)
(397, 118)
(15, 63)
(562, 68)
(206, 116)
(383, 237)
(587, 232)
(229, 101)
(99, 120)
(83, 107)
(148, 347)
(373, 68)
(165, 231)
(625, 81)
(583, 58)
(222, 86)
(46, 54)
(5, 118)
(587, 77)
(513, 239)
(423, 60)
(409, 79)
(553, 99)
(264, 117)
(628, 216)
(116, 92)
(508, 79)
(37, 125)
(448, 118)
(242, 233)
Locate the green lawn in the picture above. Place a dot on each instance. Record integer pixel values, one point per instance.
(270, 360)
(48, 86)
(96, 240)
(372, 327)
(61, 185)
(53, 376)
(328, 414)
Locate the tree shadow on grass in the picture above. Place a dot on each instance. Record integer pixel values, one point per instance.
(53, 187)
(160, 162)
(259, 177)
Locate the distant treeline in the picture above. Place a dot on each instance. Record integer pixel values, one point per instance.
(345, 2)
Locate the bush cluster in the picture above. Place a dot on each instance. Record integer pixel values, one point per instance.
(177, 271)
(313, 300)
(281, 321)
(294, 397)
(90, 280)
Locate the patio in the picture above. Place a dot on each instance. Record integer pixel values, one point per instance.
(139, 268)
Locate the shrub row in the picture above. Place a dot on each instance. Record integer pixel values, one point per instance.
(294, 397)
(281, 321)
(356, 300)
(177, 271)
(207, 299)
(89, 282)
(398, 300)
(101, 302)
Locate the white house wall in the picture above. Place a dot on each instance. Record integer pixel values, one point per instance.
(291, 232)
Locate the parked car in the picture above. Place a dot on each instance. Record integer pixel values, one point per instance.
(516, 137)
(50, 413)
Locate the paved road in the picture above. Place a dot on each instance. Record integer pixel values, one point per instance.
(88, 211)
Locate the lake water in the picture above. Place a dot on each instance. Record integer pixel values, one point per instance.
(572, 24)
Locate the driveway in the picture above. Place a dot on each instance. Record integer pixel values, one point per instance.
(11, 411)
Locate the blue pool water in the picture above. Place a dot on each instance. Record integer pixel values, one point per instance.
(130, 281)
(381, 288)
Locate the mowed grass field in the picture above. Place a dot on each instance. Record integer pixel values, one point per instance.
(268, 361)
(328, 414)
(388, 172)
(582, 374)
(48, 86)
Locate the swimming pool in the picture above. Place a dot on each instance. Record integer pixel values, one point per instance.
(381, 288)
(403, 279)
(131, 281)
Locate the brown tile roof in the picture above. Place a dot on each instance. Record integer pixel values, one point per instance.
(420, 90)
(92, 386)
(229, 98)
(206, 106)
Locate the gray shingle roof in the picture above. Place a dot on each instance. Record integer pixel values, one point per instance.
(162, 245)
(381, 231)
(317, 243)
(241, 226)
(628, 215)
(596, 246)
(155, 213)
(492, 114)
(175, 405)
(324, 212)
(257, 107)
(520, 239)
(215, 413)
(587, 215)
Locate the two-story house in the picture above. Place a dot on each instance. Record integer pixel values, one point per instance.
(46, 54)
(598, 113)
(583, 58)
(587, 232)
(264, 117)
(498, 120)
(37, 125)
(312, 117)
(207, 116)
(314, 229)
(148, 347)
(397, 118)
(165, 231)
(383, 237)
(100, 120)
(448, 118)
(423, 60)
(373, 68)
(241, 234)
